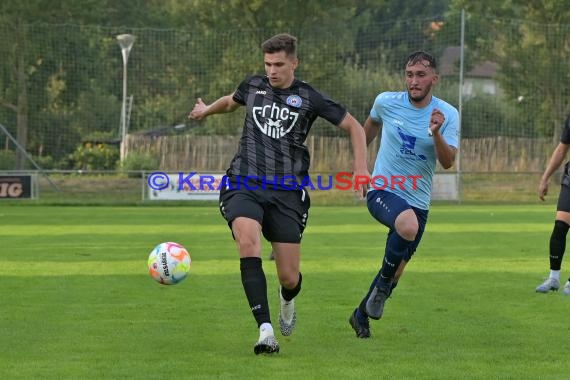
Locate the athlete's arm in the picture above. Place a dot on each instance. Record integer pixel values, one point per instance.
(445, 152)
(353, 127)
(555, 161)
(358, 140)
(222, 105)
(371, 129)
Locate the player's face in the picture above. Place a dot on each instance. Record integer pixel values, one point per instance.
(280, 69)
(420, 77)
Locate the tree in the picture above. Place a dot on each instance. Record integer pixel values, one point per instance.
(36, 85)
(531, 43)
(396, 28)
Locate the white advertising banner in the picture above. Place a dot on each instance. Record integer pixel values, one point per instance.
(445, 187)
(182, 186)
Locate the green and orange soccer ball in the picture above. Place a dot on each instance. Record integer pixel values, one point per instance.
(169, 263)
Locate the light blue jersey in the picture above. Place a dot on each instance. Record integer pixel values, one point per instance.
(406, 160)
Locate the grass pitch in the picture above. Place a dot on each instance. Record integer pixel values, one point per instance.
(76, 301)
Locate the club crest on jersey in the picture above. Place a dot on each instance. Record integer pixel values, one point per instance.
(294, 101)
(273, 120)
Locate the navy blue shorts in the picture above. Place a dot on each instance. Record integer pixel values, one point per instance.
(385, 208)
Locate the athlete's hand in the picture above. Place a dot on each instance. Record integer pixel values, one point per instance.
(199, 110)
(361, 181)
(436, 121)
(542, 189)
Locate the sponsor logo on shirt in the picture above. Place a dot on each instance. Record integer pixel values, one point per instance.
(274, 121)
(407, 149)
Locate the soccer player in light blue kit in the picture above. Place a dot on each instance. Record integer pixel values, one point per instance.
(417, 129)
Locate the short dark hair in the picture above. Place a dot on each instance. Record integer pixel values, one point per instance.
(420, 57)
(281, 42)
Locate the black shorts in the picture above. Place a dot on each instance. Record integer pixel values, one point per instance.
(282, 214)
(564, 199)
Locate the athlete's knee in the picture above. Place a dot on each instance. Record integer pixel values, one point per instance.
(407, 225)
(248, 244)
(247, 237)
(290, 279)
(292, 288)
(560, 230)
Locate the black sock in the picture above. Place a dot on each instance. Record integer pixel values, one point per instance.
(558, 244)
(255, 286)
(289, 294)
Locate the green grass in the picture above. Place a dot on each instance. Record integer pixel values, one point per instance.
(76, 301)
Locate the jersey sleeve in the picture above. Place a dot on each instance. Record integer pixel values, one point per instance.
(565, 138)
(330, 110)
(451, 131)
(376, 109)
(240, 92)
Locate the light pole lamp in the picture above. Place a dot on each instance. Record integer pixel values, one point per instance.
(126, 43)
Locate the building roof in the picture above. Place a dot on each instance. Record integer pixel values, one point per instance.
(449, 65)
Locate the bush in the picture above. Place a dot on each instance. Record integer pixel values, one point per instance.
(95, 157)
(487, 116)
(138, 162)
(7, 160)
(45, 162)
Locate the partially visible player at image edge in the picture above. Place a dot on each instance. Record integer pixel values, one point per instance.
(557, 245)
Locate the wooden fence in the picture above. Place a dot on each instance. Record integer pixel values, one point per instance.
(332, 154)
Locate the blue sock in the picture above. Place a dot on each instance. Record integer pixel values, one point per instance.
(396, 249)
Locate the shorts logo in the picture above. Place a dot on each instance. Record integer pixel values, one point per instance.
(273, 120)
(294, 101)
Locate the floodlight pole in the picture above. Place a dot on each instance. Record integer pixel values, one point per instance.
(126, 43)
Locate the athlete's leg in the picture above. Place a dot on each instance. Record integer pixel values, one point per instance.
(244, 214)
(395, 213)
(283, 225)
(398, 244)
(557, 244)
(422, 221)
(558, 239)
(408, 221)
(287, 261)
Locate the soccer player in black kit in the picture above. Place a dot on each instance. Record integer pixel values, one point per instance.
(263, 193)
(557, 245)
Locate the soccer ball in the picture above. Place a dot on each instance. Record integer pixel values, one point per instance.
(169, 263)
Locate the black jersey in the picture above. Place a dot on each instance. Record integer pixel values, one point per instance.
(276, 126)
(565, 139)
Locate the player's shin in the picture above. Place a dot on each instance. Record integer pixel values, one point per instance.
(558, 244)
(396, 249)
(255, 287)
